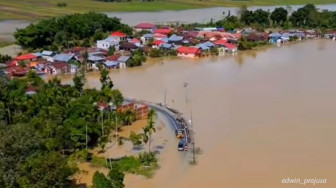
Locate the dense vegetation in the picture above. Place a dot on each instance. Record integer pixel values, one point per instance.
(43, 136)
(68, 31)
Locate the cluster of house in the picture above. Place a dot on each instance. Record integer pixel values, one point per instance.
(187, 43)
(49, 62)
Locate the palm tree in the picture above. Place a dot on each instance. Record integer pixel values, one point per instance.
(85, 60)
(149, 129)
(129, 117)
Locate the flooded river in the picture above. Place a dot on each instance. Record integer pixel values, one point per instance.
(8, 27)
(194, 15)
(259, 116)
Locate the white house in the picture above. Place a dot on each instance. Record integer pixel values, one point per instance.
(120, 36)
(108, 42)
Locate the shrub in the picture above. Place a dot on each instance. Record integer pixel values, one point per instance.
(135, 138)
(147, 158)
(62, 4)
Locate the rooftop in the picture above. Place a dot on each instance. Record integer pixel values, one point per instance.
(118, 34)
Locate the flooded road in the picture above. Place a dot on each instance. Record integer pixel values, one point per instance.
(259, 116)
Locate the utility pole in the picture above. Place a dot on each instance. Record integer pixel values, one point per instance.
(102, 115)
(185, 85)
(165, 97)
(116, 126)
(193, 137)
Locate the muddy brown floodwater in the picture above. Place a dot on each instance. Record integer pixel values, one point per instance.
(259, 116)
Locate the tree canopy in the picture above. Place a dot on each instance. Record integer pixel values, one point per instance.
(40, 132)
(66, 30)
(279, 16)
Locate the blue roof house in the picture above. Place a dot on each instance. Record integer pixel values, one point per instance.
(63, 57)
(175, 39)
(274, 37)
(203, 47)
(122, 60)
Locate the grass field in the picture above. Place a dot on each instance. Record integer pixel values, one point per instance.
(37, 9)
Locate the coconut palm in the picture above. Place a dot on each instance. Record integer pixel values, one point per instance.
(129, 117)
(149, 129)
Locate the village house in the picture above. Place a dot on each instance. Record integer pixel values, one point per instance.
(26, 57)
(108, 42)
(157, 43)
(58, 67)
(140, 110)
(120, 36)
(111, 64)
(144, 27)
(123, 60)
(128, 46)
(63, 57)
(136, 42)
(174, 39)
(163, 31)
(185, 51)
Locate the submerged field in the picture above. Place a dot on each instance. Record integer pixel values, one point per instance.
(37, 9)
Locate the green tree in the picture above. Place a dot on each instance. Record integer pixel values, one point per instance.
(111, 50)
(85, 60)
(17, 143)
(79, 82)
(34, 79)
(105, 79)
(261, 17)
(279, 16)
(305, 16)
(100, 181)
(129, 117)
(117, 178)
(246, 16)
(149, 129)
(4, 58)
(45, 170)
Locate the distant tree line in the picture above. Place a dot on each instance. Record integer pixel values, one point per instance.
(68, 30)
(307, 16)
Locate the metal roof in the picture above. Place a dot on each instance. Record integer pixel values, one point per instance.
(63, 57)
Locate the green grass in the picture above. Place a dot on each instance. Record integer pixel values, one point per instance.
(37, 9)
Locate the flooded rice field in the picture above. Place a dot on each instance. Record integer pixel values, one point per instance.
(259, 116)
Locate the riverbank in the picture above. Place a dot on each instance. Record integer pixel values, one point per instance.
(38, 9)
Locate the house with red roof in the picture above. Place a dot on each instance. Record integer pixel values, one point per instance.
(185, 51)
(159, 36)
(165, 31)
(120, 36)
(144, 27)
(157, 43)
(231, 48)
(221, 42)
(26, 57)
(17, 71)
(136, 41)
